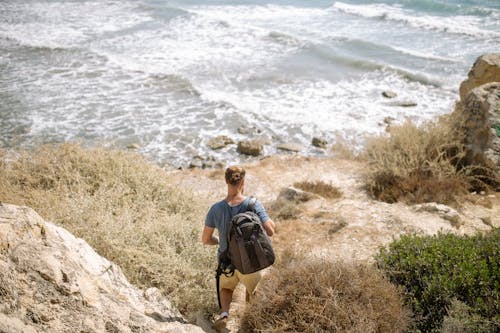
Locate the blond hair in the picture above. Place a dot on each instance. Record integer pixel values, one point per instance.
(234, 174)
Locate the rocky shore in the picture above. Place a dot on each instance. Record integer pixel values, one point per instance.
(51, 281)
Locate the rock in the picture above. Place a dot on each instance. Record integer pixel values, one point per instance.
(479, 117)
(51, 281)
(248, 130)
(389, 120)
(293, 147)
(134, 146)
(250, 147)
(295, 194)
(320, 143)
(405, 104)
(220, 142)
(443, 211)
(389, 94)
(486, 69)
(209, 162)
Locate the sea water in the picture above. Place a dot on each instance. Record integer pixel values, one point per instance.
(170, 75)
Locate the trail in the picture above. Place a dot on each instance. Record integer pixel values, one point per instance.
(350, 228)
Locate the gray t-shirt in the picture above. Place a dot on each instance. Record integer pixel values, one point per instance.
(220, 214)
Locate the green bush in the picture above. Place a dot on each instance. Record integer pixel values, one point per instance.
(435, 270)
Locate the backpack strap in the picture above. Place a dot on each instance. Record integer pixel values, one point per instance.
(251, 204)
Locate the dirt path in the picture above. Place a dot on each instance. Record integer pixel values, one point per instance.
(352, 227)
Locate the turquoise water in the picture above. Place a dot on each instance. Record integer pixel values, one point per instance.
(169, 75)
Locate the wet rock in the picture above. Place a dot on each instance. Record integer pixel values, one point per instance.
(389, 120)
(220, 142)
(210, 162)
(293, 147)
(389, 94)
(134, 146)
(319, 142)
(250, 147)
(486, 69)
(246, 130)
(404, 104)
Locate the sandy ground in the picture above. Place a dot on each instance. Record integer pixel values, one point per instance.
(352, 227)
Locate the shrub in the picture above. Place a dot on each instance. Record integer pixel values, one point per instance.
(460, 319)
(321, 296)
(423, 164)
(434, 270)
(321, 188)
(123, 206)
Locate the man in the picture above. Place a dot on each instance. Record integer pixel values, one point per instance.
(219, 217)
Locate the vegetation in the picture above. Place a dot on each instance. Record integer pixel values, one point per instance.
(125, 208)
(457, 277)
(321, 188)
(424, 164)
(321, 296)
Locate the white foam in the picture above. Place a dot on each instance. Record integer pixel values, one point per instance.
(466, 25)
(66, 24)
(350, 105)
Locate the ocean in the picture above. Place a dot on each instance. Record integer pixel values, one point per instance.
(168, 76)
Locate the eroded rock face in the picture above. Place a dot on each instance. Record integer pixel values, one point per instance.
(486, 69)
(51, 281)
(479, 116)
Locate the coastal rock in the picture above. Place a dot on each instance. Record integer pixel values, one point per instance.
(219, 142)
(405, 104)
(479, 116)
(250, 147)
(319, 142)
(293, 147)
(199, 162)
(486, 69)
(133, 146)
(295, 194)
(443, 211)
(248, 130)
(51, 281)
(389, 94)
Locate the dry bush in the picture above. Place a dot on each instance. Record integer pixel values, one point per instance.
(124, 207)
(285, 209)
(321, 188)
(321, 296)
(422, 164)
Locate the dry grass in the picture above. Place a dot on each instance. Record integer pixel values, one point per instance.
(321, 296)
(321, 188)
(423, 164)
(284, 209)
(125, 208)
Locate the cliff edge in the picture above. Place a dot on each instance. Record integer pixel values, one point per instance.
(51, 281)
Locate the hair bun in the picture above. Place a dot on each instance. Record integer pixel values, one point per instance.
(234, 175)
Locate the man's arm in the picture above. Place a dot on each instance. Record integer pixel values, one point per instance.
(269, 227)
(207, 236)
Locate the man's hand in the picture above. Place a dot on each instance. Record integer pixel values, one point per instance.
(269, 227)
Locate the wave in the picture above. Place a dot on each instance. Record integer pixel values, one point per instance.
(461, 24)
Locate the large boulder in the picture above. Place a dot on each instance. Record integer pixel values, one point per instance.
(478, 115)
(51, 281)
(486, 69)
(250, 147)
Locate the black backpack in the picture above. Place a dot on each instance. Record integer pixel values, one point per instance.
(249, 247)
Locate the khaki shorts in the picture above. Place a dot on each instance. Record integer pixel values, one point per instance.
(250, 281)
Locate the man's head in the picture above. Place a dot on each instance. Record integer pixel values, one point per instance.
(235, 175)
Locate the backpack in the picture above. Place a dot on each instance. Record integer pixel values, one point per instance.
(249, 247)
